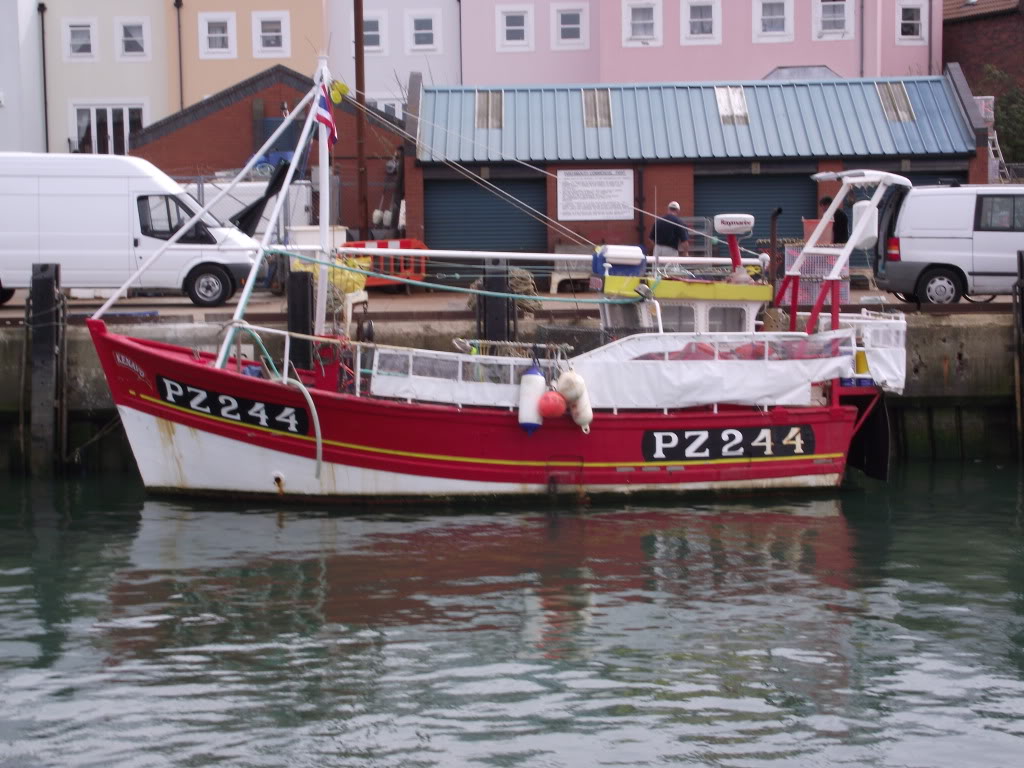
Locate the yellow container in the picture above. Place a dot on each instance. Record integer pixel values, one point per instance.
(861, 362)
(344, 280)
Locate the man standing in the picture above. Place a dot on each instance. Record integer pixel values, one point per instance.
(669, 233)
(840, 222)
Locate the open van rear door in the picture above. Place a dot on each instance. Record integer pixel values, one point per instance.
(888, 211)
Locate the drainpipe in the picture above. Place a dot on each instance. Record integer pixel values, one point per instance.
(773, 245)
(930, 36)
(364, 211)
(862, 38)
(461, 76)
(181, 66)
(41, 8)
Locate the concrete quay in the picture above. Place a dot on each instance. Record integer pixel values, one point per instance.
(958, 403)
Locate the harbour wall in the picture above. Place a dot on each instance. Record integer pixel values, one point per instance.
(958, 402)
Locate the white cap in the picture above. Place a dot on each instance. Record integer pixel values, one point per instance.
(673, 206)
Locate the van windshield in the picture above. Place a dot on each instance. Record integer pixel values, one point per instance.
(193, 205)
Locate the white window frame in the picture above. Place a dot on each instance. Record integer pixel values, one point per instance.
(686, 38)
(411, 17)
(925, 22)
(258, 51)
(757, 36)
(147, 39)
(90, 22)
(628, 41)
(557, 43)
(93, 104)
(817, 33)
(381, 17)
(516, 46)
(205, 52)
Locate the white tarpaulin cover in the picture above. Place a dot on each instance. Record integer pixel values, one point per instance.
(673, 370)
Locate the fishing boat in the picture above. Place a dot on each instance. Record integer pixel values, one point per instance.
(690, 392)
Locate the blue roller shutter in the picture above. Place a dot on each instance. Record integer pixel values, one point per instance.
(462, 215)
(797, 195)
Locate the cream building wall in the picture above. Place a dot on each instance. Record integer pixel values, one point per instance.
(21, 79)
(106, 64)
(226, 41)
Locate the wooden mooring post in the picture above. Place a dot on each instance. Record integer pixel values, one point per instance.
(46, 320)
(300, 316)
(1018, 352)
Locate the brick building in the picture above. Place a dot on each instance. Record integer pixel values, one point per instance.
(223, 131)
(982, 34)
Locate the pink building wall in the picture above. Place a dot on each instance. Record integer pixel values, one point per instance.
(870, 48)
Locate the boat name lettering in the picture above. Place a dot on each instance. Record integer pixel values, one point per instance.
(281, 418)
(123, 360)
(728, 443)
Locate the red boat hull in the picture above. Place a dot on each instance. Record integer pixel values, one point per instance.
(197, 428)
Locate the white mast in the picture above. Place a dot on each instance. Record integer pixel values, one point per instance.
(320, 313)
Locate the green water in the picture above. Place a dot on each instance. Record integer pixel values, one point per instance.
(880, 627)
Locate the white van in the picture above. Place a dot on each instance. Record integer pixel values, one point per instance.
(937, 244)
(100, 217)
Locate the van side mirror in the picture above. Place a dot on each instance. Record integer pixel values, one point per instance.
(864, 209)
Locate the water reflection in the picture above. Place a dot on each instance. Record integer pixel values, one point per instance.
(877, 627)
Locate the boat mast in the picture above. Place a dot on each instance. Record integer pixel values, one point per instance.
(324, 167)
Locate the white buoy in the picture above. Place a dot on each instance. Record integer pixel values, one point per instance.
(574, 389)
(531, 386)
(570, 386)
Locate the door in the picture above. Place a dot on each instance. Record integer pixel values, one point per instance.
(998, 235)
(104, 130)
(157, 218)
(796, 194)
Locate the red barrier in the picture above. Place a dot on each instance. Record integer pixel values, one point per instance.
(399, 265)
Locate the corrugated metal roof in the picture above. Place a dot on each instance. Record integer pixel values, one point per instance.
(796, 119)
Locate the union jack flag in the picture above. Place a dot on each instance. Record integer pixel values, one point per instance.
(324, 114)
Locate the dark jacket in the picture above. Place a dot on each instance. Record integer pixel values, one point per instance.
(669, 231)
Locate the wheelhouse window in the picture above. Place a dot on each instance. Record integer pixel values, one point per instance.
(271, 34)
(80, 39)
(132, 36)
(1000, 213)
(217, 36)
(727, 319)
(105, 130)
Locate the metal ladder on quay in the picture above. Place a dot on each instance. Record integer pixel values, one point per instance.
(997, 154)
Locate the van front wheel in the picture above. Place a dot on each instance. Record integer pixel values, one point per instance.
(939, 286)
(208, 285)
(6, 294)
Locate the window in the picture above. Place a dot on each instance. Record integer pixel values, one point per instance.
(732, 105)
(1000, 213)
(160, 216)
(727, 319)
(217, 36)
(569, 24)
(833, 20)
(700, 22)
(375, 33)
(514, 27)
(911, 22)
(104, 130)
(772, 21)
(597, 108)
(80, 39)
(132, 38)
(641, 23)
(833, 15)
(423, 31)
(271, 35)
(895, 102)
(488, 109)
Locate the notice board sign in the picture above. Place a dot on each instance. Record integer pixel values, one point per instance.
(595, 195)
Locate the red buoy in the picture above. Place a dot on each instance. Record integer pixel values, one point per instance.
(551, 405)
